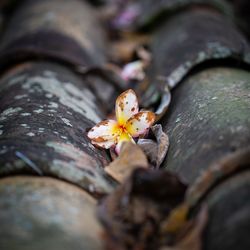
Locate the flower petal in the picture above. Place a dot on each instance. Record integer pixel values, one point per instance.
(104, 131)
(126, 106)
(104, 144)
(139, 123)
(123, 138)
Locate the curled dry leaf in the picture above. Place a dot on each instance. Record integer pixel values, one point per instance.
(189, 235)
(130, 158)
(128, 46)
(155, 149)
(133, 213)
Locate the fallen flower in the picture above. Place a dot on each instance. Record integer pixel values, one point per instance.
(130, 123)
(133, 71)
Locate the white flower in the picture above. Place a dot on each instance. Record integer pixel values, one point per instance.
(130, 123)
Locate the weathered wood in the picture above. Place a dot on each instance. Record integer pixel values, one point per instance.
(44, 213)
(208, 118)
(192, 38)
(152, 15)
(241, 11)
(46, 109)
(57, 29)
(45, 112)
(225, 189)
(229, 215)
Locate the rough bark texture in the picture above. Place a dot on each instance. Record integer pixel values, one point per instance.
(192, 38)
(51, 93)
(45, 113)
(63, 30)
(208, 118)
(152, 14)
(224, 189)
(46, 109)
(229, 215)
(44, 213)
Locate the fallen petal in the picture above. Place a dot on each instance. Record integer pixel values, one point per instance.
(104, 131)
(104, 144)
(126, 106)
(140, 122)
(133, 71)
(124, 137)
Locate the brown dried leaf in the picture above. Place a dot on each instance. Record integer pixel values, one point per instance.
(175, 220)
(190, 235)
(155, 150)
(130, 158)
(133, 213)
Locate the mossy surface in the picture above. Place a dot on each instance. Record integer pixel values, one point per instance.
(209, 117)
(44, 213)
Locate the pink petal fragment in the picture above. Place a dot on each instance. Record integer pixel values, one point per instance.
(140, 122)
(123, 138)
(104, 131)
(126, 106)
(133, 71)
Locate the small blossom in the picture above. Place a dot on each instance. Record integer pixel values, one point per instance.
(133, 71)
(130, 123)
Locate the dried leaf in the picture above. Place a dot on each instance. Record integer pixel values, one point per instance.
(175, 220)
(125, 49)
(190, 234)
(133, 213)
(130, 158)
(155, 150)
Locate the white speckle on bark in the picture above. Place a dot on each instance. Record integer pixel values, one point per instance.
(9, 112)
(52, 111)
(3, 151)
(49, 73)
(25, 114)
(64, 137)
(81, 101)
(38, 111)
(17, 97)
(176, 76)
(55, 132)
(49, 95)
(90, 145)
(53, 105)
(91, 188)
(66, 121)
(1, 125)
(16, 79)
(25, 125)
(1, 132)
(30, 134)
(41, 130)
